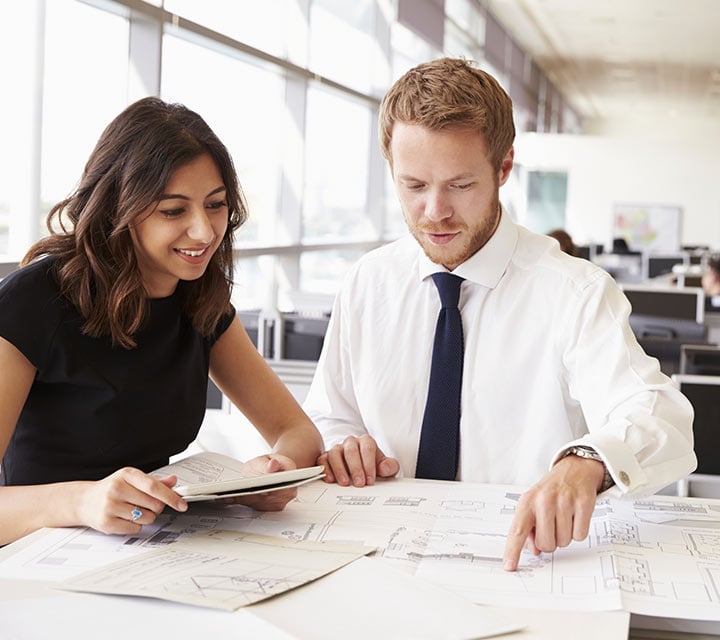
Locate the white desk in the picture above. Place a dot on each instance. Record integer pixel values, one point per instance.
(357, 601)
(317, 611)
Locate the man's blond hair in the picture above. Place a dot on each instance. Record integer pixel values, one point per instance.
(450, 93)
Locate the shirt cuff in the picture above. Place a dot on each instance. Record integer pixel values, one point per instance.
(617, 456)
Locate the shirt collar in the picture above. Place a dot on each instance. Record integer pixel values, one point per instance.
(486, 266)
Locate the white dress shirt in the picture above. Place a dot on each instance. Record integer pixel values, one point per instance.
(550, 361)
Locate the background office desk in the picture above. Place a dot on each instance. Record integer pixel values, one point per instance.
(352, 602)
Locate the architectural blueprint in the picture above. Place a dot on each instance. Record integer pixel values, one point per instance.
(219, 569)
(658, 557)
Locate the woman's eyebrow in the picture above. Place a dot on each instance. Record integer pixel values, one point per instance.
(180, 196)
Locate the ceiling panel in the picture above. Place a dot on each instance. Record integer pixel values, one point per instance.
(616, 58)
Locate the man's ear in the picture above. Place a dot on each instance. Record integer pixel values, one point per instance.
(506, 166)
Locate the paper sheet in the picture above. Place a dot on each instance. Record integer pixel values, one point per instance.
(655, 557)
(87, 616)
(209, 476)
(399, 607)
(219, 569)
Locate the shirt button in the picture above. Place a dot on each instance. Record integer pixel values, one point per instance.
(624, 477)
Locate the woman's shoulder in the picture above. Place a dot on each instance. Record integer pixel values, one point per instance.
(30, 297)
(34, 282)
(31, 308)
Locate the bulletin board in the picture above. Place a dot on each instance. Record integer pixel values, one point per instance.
(655, 228)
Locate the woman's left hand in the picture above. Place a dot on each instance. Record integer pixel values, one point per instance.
(271, 500)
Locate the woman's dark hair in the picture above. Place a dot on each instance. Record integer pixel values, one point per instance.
(565, 240)
(713, 263)
(125, 174)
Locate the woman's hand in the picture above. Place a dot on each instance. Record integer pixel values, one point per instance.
(270, 500)
(126, 500)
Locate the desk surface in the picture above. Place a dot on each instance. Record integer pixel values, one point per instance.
(415, 525)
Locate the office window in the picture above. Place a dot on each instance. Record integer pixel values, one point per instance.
(467, 15)
(84, 87)
(395, 221)
(408, 49)
(337, 157)
(342, 47)
(546, 200)
(253, 278)
(459, 44)
(244, 105)
(262, 75)
(323, 271)
(277, 27)
(20, 34)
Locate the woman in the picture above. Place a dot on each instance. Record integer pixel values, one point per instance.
(565, 239)
(711, 277)
(110, 327)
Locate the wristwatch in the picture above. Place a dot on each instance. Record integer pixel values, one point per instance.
(591, 454)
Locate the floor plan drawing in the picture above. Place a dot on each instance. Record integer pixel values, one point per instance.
(219, 569)
(655, 556)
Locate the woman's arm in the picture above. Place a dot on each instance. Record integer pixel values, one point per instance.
(252, 386)
(106, 505)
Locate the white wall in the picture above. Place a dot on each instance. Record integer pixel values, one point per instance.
(669, 162)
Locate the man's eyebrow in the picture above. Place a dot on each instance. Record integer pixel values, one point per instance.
(180, 196)
(460, 176)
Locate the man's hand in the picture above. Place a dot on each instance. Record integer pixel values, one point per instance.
(555, 511)
(357, 458)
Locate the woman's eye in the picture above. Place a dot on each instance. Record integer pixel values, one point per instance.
(171, 213)
(217, 205)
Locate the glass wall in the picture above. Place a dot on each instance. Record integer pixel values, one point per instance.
(291, 86)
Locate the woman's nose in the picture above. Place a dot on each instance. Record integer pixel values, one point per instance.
(200, 228)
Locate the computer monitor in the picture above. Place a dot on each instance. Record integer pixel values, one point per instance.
(260, 329)
(704, 395)
(589, 251)
(660, 265)
(6, 268)
(250, 319)
(700, 359)
(214, 397)
(665, 318)
(667, 303)
(303, 336)
(689, 281)
(584, 251)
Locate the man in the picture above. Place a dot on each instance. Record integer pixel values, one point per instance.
(550, 367)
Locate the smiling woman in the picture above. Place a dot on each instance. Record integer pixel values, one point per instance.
(111, 326)
(175, 238)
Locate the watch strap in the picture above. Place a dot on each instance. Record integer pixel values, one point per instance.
(590, 453)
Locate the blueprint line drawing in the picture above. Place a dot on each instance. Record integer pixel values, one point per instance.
(219, 569)
(659, 556)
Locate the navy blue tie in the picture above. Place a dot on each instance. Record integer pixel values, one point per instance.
(440, 435)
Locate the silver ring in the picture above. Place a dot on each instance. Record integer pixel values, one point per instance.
(136, 514)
